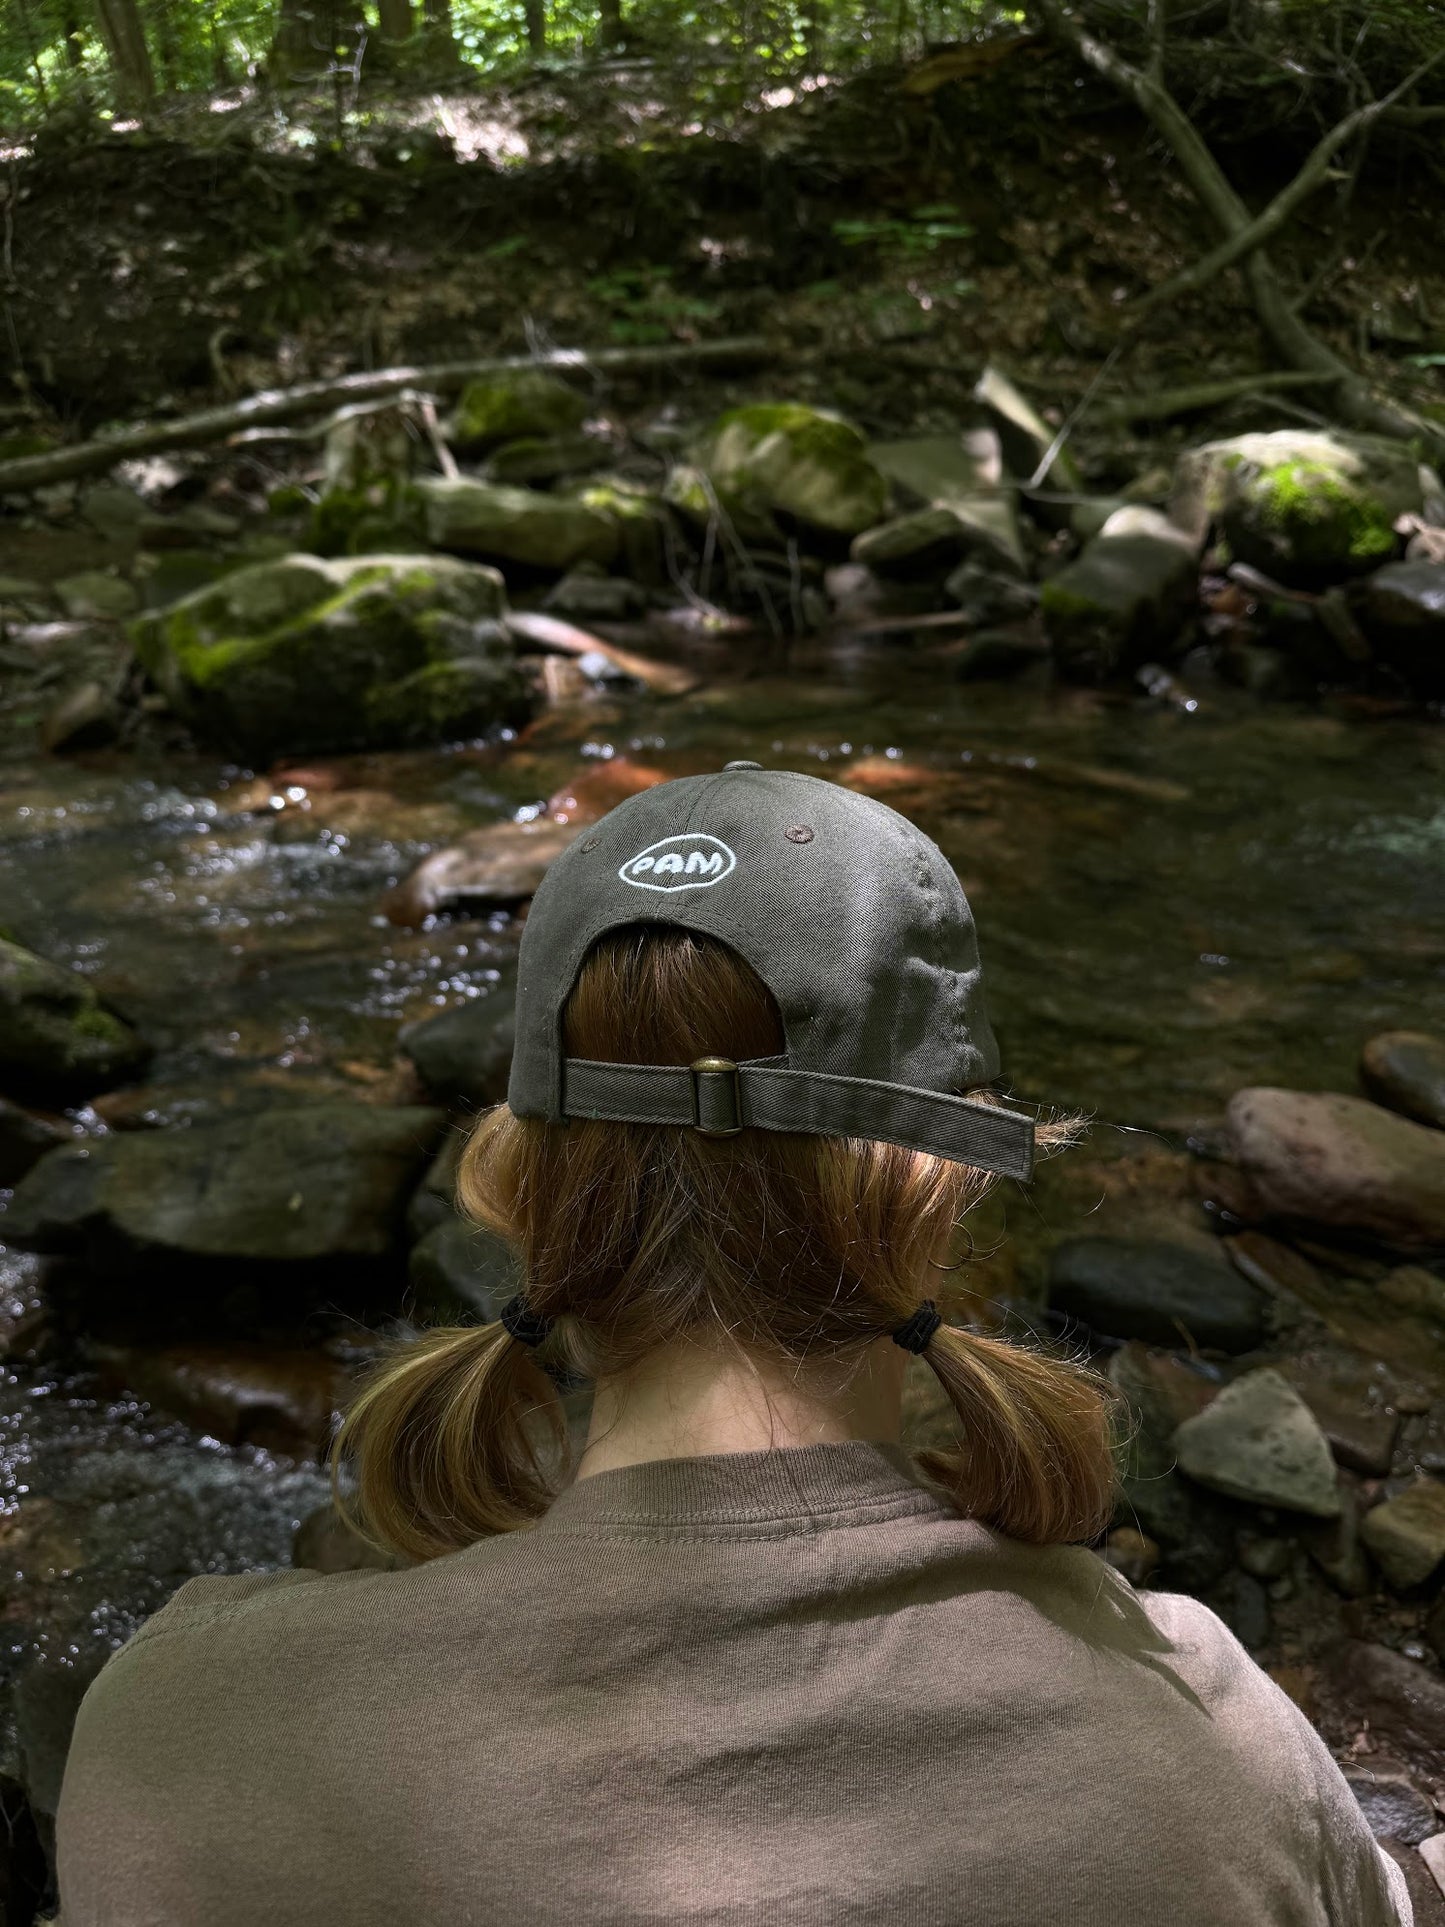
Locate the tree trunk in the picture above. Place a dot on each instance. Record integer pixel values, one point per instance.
(609, 25)
(130, 61)
(308, 38)
(536, 16)
(74, 32)
(394, 19)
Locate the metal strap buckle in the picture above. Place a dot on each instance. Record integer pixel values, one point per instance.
(716, 1099)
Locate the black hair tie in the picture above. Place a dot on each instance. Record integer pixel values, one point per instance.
(523, 1323)
(915, 1334)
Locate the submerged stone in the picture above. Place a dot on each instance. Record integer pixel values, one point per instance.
(58, 1040)
(799, 461)
(1258, 1440)
(308, 654)
(462, 1271)
(499, 863)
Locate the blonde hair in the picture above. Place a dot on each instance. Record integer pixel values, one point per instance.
(633, 1236)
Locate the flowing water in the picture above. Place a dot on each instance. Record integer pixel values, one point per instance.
(1172, 903)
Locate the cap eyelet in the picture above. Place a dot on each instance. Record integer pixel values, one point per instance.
(799, 833)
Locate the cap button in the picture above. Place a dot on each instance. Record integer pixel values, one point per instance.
(728, 766)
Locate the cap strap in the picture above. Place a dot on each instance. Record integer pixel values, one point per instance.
(772, 1099)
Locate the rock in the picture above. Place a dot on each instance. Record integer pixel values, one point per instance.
(1405, 1070)
(1165, 1294)
(165, 578)
(1133, 1554)
(461, 1271)
(1129, 592)
(500, 863)
(86, 717)
(1401, 610)
(797, 461)
(58, 1040)
(24, 1875)
(960, 474)
(1243, 1604)
(367, 502)
(1259, 1441)
(1430, 1854)
(94, 596)
(707, 504)
(1413, 1288)
(586, 595)
(1263, 1556)
(539, 459)
(1401, 1698)
(998, 655)
(922, 540)
(1334, 1546)
(640, 521)
(301, 1184)
(1273, 1266)
(1361, 1435)
(1406, 1535)
(47, 1698)
(1393, 1806)
(1307, 508)
(305, 654)
(464, 1055)
(503, 408)
(24, 1140)
(434, 1200)
(1319, 1158)
(324, 1542)
(1025, 440)
(987, 596)
(242, 1394)
(599, 787)
(1192, 1528)
(516, 525)
(1435, 1628)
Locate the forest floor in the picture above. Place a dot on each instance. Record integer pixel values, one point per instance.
(887, 241)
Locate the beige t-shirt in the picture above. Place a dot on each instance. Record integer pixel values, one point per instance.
(790, 1687)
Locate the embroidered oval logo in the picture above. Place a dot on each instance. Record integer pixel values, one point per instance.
(688, 862)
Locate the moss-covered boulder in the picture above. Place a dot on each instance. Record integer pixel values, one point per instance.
(505, 408)
(801, 462)
(639, 518)
(1307, 508)
(704, 503)
(304, 654)
(58, 1041)
(552, 533)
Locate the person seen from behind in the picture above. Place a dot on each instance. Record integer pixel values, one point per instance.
(747, 1660)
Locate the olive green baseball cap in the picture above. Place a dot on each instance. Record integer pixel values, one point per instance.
(852, 917)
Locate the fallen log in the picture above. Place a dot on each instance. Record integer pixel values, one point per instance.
(1169, 402)
(286, 404)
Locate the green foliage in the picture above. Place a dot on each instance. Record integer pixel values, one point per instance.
(921, 234)
(644, 305)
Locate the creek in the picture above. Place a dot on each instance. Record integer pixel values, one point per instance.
(1172, 904)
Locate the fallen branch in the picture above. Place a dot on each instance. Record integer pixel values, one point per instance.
(286, 404)
(1268, 223)
(1297, 344)
(1168, 402)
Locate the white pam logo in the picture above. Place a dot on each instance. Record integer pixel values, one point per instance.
(690, 861)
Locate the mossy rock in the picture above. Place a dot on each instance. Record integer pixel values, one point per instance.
(380, 518)
(640, 520)
(510, 407)
(58, 1041)
(304, 654)
(1308, 509)
(516, 525)
(796, 461)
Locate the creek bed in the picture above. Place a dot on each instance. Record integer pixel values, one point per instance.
(1171, 905)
